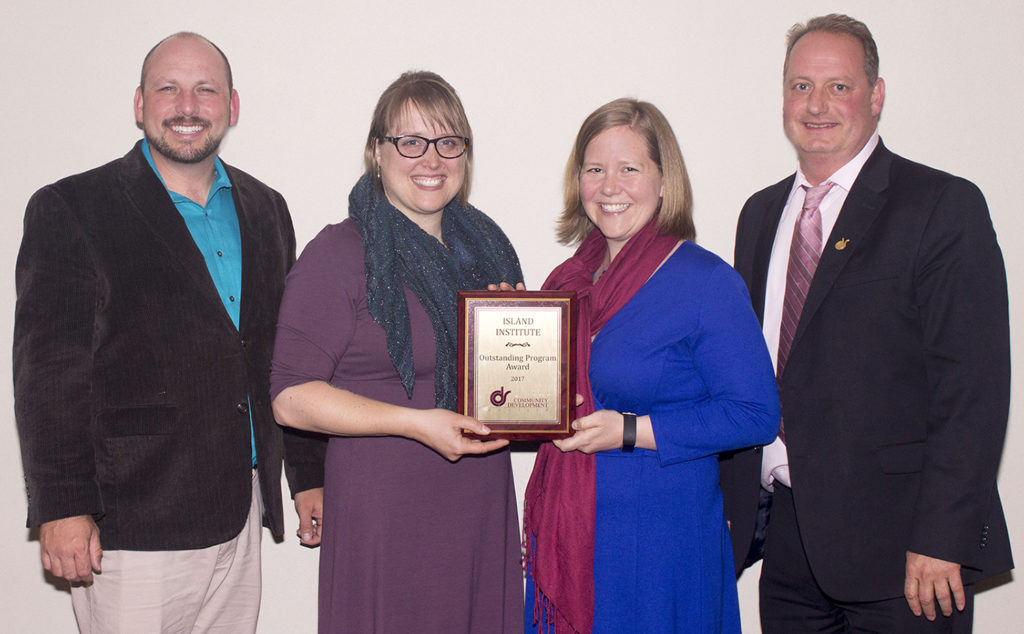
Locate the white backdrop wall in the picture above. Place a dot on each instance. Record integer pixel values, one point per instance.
(309, 74)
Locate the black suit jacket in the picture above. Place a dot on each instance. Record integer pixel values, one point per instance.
(132, 385)
(896, 392)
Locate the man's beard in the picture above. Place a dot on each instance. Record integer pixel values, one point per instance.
(188, 153)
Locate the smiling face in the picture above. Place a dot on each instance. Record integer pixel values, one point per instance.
(620, 185)
(419, 187)
(186, 106)
(830, 109)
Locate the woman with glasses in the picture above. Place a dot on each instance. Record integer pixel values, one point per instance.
(419, 528)
(624, 523)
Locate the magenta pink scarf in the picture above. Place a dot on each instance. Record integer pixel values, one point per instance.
(558, 522)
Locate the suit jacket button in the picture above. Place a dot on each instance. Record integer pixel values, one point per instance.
(242, 408)
(245, 343)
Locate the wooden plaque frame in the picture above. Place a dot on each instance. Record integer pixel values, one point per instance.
(517, 362)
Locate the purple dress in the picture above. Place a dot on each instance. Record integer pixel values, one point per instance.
(411, 542)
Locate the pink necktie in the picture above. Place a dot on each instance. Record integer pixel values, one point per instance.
(804, 254)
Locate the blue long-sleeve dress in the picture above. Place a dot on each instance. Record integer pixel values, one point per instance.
(687, 350)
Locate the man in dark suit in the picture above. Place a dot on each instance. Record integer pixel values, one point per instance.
(882, 294)
(148, 292)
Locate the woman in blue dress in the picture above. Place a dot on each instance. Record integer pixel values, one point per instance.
(624, 524)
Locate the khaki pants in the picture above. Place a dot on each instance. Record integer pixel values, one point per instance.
(215, 589)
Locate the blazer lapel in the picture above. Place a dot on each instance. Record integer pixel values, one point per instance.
(152, 205)
(862, 205)
(764, 243)
(251, 247)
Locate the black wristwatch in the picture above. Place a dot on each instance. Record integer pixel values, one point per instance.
(628, 432)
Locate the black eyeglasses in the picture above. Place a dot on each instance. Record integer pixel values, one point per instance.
(413, 146)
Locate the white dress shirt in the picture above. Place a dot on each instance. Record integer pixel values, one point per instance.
(775, 461)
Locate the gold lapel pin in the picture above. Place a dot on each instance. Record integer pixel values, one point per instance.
(842, 244)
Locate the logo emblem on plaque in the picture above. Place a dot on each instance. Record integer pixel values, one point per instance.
(499, 395)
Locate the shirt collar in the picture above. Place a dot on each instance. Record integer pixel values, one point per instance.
(847, 174)
(220, 180)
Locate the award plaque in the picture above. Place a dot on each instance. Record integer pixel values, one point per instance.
(517, 362)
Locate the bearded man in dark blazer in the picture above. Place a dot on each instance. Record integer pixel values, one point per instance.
(894, 374)
(148, 292)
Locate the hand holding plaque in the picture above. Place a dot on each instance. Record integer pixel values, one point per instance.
(517, 362)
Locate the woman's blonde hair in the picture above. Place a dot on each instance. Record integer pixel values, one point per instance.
(675, 217)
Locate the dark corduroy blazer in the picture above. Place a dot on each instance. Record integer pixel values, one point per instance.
(896, 392)
(132, 385)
